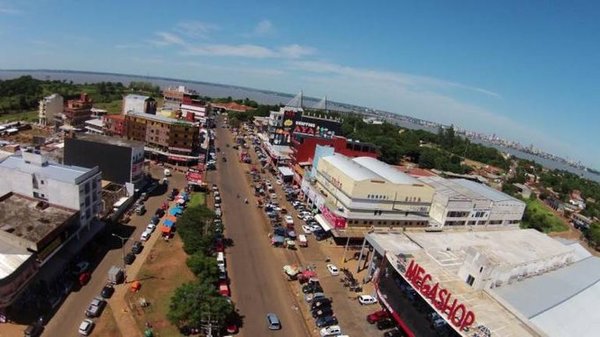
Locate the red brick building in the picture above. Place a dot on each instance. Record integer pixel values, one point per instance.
(303, 149)
(114, 125)
(78, 111)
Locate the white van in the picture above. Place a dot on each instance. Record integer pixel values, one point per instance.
(167, 173)
(220, 259)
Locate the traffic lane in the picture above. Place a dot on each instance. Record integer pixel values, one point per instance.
(66, 320)
(257, 282)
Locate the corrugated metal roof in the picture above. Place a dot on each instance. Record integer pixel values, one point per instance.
(386, 171)
(11, 258)
(349, 167)
(52, 170)
(484, 190)
(539, 295)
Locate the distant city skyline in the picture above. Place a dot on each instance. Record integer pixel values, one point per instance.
(527, 72)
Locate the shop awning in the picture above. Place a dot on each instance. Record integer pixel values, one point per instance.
(168, 223)
(321, 220)
(165, 229)
(175, 211)
(285, 171)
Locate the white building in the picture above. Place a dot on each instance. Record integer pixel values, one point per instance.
(139, 104)
(50, 106)
(363, 193)
(199, 112)
(73, 187)
(504, 283)
(460, 202)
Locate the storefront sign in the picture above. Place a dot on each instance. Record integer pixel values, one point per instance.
(440, 297)
(337, 221)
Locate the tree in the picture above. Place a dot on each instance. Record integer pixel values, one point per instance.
(194, 303)
(593, 235)
(427, 159)
(204, 267)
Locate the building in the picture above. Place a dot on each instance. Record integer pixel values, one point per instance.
(122, 161)
(114, 125)
(173, 97)
(33, 176)
(355, 195)
(231, 106)
(461, 202)
(169, 138)
(290, 122)
(32, 231)
(139, 104)
(77, 111)
(492, 283)
(95, 126)
(50, 107)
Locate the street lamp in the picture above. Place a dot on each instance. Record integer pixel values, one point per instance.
(123, 240)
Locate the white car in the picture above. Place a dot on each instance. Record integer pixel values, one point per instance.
(145, 235)
(333, 330)
(315, 227)
(274, 196)
(289, 220)
(151, 227)
(86, 326)
(333, 270)
(366, 299)
(306, 229)
(304, 214)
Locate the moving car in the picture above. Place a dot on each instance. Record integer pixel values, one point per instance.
(326, 321)
(333, 270)
(95, 308)
(273, 322)
(377, 316)
(333, 330)
(86, 326)
(366, 299)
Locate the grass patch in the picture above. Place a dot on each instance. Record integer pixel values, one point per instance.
(197, 199)
(28, 116)
(538, 216)
(163, 271)
(112, 108)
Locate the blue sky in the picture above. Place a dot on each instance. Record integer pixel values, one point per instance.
(528, 71)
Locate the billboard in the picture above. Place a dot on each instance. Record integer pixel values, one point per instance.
(115, 161)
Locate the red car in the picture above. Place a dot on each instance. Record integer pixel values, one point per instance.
(84, 278)
(377, 316)
(224, 288)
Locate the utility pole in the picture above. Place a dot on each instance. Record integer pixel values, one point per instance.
(345, 250)
(123, 240)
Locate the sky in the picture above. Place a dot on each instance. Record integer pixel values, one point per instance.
(527, 71)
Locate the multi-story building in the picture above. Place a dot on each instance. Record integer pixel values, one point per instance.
(289, 123)
(164, 136)
(173, 97)
(484, 283)
(43, 206)
(114, 125)
(139, 104)
(122, 161)
(50, 107)
(77, 111)
(354, 195)
(72, 187)
(461, 202)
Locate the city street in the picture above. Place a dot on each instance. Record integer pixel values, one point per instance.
(258, 285)
(70, 314)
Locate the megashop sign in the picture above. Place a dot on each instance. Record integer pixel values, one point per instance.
(440, 297)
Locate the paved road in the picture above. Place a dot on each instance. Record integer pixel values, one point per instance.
(257, 282)
(68, 317)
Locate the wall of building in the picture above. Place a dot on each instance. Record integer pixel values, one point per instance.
(50, 107)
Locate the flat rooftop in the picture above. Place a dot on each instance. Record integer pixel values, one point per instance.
(158, 118)
(21, 217)
(442, 254)
(109, 140)
(462, 189)
(65, 173)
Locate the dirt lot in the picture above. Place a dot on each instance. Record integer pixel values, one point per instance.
(161, 274)
(107, 327)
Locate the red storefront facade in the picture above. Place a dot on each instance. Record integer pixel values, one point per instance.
(303, 148)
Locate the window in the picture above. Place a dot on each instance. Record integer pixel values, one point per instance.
(480, 269)
(87, 201)
(87, 187)
(470, 280)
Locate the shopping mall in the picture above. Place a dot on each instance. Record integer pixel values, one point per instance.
(497, 283)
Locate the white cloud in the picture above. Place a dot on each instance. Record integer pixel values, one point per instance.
(242, 50)
(195, 29)
(166, 39)
(262, 28)
(295, 51)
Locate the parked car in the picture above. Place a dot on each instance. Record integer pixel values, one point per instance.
(107, 291)
(333, 330)
(395, 332)
(312, 288)
(377, 316)
(129, 258)
(273, 322)
(151, 227)
(137, 247)
(326, 302)
(326, 321)
(321, 312)
(81, 267)
(314, 297)
(145, 235)
(86, 326)
(140, 210)
(385, 324)
(333, 270)
(95, 308)
(366, 299)
(289, 220)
